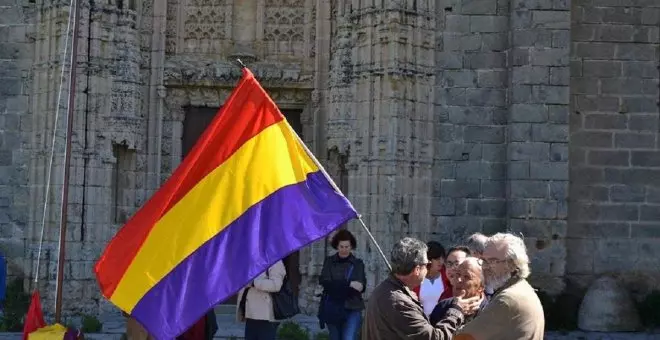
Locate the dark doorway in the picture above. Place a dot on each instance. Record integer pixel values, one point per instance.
(195, 122)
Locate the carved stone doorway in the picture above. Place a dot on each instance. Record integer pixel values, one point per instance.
(195, 122)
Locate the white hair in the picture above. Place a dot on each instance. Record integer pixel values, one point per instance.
(476, 263)
(516, 251)
(477, 242)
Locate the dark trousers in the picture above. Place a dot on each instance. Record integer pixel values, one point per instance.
(260, 329)
(347, 330)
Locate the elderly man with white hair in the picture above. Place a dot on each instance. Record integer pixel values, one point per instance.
(514, 312)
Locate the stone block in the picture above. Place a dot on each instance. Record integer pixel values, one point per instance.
(627, 193)
(484, 134)
(550, 132)
(459, 78)
(639, 105)
(529, 189)
(486, 97)
(480, 170)
(559, 76)
(520, 132)
(643, 122)
(533, 38)
(548, 170)
(469, 115)
(493, 152)
(457, 23)
(492, 78)
(609, 158)
(550, 94)
(604, 51)
(561, 39)
(635, 51)
(485, 60)
(559, 152)
(606, 121)
(489, 24)
(530, 75)
(466, 188)
(10, 86)
(443, 206)
(479, 7)
(551, 19)
(494, 42)
(645, 158)
(529, 113)
(531, 151)
(633, 140)
(550, 56)
(493, 188)
(486, 207)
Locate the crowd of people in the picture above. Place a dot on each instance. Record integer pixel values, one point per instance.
(474, 291)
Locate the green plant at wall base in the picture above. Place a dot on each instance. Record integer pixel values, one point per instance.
(292, 331)
(90, 324)
(649, 310)
(14, 307)
(322, 336)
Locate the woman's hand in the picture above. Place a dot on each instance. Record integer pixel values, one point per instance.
(356, 285)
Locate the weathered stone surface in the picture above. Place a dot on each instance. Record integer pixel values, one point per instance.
(437, 118)
(608, 307)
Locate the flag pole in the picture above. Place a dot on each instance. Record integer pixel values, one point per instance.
(334, 186)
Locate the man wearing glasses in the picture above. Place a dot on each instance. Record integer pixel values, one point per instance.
(514, 312)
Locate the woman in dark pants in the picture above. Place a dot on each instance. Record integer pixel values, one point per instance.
(343, 280)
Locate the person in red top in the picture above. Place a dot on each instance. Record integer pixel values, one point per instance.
(435, 286)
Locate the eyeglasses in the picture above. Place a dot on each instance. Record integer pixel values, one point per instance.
(452, 264)
(492, 261)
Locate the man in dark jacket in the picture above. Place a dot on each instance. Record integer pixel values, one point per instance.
(393, 312)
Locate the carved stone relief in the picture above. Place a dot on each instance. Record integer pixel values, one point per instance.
(197, 26)
(284, 27)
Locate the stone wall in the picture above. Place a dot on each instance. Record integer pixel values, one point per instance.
(16, 38)
(438, 118)
(501, 158)
(615, 154)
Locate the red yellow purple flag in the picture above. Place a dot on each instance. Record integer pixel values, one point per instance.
(247, 195)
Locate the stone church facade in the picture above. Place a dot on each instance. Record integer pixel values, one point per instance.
(438, 118)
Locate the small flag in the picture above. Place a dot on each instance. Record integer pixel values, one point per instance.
(245, 197)
(34, 319)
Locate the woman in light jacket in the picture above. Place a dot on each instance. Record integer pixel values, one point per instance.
(256, 307)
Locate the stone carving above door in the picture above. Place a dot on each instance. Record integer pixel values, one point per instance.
(197, 26)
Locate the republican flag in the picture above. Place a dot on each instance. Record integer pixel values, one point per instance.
(247, 195)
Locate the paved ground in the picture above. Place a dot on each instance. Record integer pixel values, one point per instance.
(229, 329)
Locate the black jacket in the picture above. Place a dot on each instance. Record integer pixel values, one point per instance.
(335, 284)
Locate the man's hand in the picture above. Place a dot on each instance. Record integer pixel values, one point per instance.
(356, 285)
(468, 306)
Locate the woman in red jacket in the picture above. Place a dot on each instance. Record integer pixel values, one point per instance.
(436, 285)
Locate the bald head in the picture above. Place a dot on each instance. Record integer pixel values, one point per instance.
(470, 277)
(473, 265)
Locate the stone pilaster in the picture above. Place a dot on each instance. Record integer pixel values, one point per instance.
(538, 135)
(381, 116)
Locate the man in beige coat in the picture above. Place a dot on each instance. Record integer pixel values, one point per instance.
(256, 307)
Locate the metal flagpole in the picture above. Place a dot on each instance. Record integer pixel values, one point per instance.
(334, 186)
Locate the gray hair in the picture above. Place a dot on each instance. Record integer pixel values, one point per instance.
(407, 254)
(477, 242)
(516, 251)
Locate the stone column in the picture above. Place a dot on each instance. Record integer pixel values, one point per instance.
(469, 186)
(538, 135)
(381, 115)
